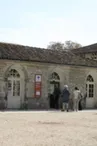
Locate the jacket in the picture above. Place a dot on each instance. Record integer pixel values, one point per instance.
(65, 95)
(56, 92)
(77, 95)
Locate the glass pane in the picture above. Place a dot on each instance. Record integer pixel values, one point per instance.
(13, 73)
(55, 76)
(91, 90)
(90, 78)
(16, 88)
(13, 93)
(9, 85)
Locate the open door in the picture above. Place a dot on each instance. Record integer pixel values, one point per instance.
(54, 81)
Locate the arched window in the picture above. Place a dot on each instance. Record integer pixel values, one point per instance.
(54, 81)
(90, 86)
(13, 73)
(54, 76)
(90, 78)
(14, 82)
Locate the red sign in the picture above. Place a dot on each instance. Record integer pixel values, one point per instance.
(37, 85)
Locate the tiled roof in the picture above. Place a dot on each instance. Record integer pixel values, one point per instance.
(25, 53)
(86, 49)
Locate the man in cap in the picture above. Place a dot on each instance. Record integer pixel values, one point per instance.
(65, 98)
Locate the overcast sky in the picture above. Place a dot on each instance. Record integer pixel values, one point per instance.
(38, 22)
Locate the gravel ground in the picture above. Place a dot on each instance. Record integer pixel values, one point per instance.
(48, 128)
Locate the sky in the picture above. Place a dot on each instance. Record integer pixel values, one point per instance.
(38, 22)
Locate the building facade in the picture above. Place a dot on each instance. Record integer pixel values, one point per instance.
(88, 52)
(28, 75)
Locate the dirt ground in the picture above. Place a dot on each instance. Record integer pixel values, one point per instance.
(48, 128)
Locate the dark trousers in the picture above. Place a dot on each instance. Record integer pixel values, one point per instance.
(80, 106)
(52, 102)
(57, 101)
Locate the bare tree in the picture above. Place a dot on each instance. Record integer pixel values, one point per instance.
(67, 45)
(71, 45)
(56, 46)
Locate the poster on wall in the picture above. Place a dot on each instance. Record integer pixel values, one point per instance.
(38, 78)
(37, 85)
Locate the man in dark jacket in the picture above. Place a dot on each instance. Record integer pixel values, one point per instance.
(56, 96)
(65, 98)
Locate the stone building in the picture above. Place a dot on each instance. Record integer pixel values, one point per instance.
(88, 52)
(28, 75)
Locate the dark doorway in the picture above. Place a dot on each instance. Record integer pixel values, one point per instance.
(79, 106)
(52, 100)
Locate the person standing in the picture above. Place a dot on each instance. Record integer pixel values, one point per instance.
(65, 98)
(80, 104)
(85, 96)
(56, 96)
(77, 97)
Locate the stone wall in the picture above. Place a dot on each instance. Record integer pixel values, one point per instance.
(32, 71)
(46, 70)
(70, 75)
(77, 78)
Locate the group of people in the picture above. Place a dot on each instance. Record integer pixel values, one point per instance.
(65, 98)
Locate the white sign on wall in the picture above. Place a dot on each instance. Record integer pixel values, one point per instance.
(38, 93)
(37, 85)
(38, 78)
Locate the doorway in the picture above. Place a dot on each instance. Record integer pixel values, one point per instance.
(54, 82)
(14, 88)
(90, 92)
